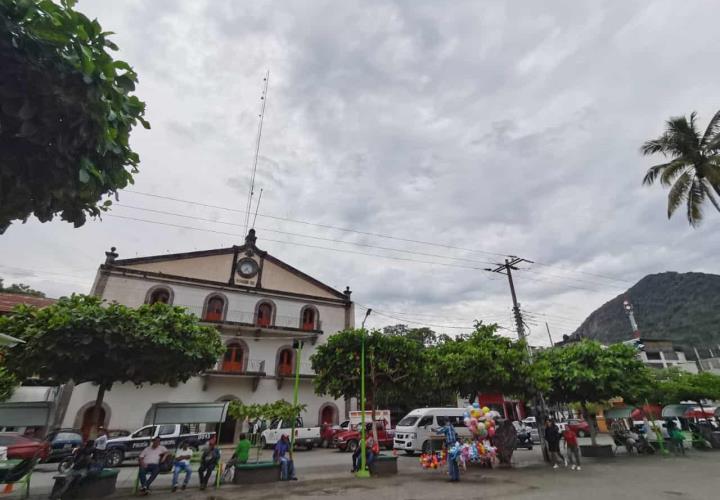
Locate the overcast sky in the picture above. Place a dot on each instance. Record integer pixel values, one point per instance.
(499, 127)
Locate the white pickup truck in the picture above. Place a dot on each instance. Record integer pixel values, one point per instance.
(308, 437)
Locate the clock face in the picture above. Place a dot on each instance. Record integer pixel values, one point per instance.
(247, 268)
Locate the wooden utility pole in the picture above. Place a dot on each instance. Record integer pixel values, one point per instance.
(507, 268)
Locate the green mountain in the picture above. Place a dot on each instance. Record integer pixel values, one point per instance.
(682, 307)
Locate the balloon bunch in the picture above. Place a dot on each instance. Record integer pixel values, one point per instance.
(480, 421)
(433, 460)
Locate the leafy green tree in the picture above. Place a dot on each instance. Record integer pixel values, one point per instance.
(393, 362)
(20, 289)
(671, 386)
(693, 170)
(66, 114)
(484, 362)
(424, 335)
(83, 339)
(8, 383)
(587, 372)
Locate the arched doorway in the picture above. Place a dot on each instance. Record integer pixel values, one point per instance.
(328, 414)
(89, 421)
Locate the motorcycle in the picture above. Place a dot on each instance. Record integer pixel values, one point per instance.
(524, 440)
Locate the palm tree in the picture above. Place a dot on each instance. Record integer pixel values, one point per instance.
(693, 172)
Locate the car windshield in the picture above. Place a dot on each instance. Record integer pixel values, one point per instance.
(408, 421)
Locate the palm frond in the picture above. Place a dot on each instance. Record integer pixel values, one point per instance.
(662, 144)
(695, 198)
(708, 188)
(672, 170)
(678, 192)
(712, 131)
(684, 136)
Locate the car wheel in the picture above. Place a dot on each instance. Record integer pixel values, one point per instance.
(427, 447)
(310, 446)
(352, 446)
(65, 465)
(410, 453)
(263, 443)
(582, 434)
(114, 457)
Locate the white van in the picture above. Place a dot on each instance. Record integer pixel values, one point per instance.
(414, 432)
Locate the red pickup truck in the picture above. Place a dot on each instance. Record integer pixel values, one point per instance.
(350, 439)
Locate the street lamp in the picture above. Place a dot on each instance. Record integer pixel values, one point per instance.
(363, 472)
(297, 345)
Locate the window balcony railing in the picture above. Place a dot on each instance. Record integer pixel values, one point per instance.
(250, 319)
(254, 367)
(285, 370)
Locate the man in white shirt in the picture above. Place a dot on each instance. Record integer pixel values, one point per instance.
(101, 446)
(150, 459)
(182, 463)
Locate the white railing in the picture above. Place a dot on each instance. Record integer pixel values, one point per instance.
(253, 366)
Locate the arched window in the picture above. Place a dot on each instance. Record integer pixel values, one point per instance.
(159, 294)
(285, 363)
(309, 318)
(264, 314)
(233, 358)
(215, 308)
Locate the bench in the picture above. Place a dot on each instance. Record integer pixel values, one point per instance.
(260, 472)
(384, 465)
(97, 485)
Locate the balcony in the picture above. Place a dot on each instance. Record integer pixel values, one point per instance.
(288, 372)
(255, 370)
(246, 322)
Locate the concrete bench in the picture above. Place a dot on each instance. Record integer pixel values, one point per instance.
(260, 472)
(97, 485)
(384, 465)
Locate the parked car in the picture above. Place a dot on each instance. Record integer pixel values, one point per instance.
(23, 447)
(118, 433)
(122, 448)
(62, 442)
(581, 427)
(531, 422)
(414, 432)
(349, 440)
(309, 437)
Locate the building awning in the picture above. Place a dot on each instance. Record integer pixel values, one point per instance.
(671, 411)
(619, 412)
(10, 341)
(188, 413)
(25, 414)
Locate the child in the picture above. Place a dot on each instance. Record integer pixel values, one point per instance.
(571, 443)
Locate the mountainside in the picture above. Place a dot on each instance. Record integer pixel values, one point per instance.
(682, 307)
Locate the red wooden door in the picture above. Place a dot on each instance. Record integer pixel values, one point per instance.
(214, 309)
(285, 363)
(308, 320)
(264, 315)
(233, 359)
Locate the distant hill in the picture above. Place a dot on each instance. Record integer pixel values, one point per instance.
(683, 307)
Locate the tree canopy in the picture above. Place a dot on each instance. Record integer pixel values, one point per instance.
(587, 372)
(281, 410)
(66, 114)
(20, 289)
(83, 339)
(8, 383)
(672, 386)
(692, 171)
(484, 362)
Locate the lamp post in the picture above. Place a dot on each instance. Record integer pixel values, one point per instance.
(363, 472)
(297, 345)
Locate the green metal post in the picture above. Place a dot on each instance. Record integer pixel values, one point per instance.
(363, 472)
(298, 353)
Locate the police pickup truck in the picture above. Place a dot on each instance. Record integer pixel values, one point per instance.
(171, 435)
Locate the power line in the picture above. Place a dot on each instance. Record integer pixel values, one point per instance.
(380, 313)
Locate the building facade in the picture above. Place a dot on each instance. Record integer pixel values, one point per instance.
(662, 353)
(260, 305)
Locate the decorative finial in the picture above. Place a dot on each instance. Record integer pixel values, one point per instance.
(250, 239)
(347, 292)
(111, 256)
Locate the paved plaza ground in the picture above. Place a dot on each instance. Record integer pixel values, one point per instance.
(325, 474)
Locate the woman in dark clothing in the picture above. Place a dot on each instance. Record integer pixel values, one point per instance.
(553, 437)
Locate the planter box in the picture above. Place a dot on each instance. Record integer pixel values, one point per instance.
(261, 472)
(93, 486)
(599, 451)
(384, 465)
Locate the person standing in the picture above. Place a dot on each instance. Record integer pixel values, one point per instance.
(150, 459)
(552, 438)
(182, 464)
(208, 463)
(573, 451)
(451, 441)
(287, 468)
(242, 450)
(101, 446)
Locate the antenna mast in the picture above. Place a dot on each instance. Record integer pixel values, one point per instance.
(263, 98)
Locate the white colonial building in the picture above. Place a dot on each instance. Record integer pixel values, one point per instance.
(260, 305)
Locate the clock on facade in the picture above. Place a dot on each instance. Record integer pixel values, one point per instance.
(247, 267)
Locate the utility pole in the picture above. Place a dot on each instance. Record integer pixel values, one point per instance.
(549, 336)
(507, 268)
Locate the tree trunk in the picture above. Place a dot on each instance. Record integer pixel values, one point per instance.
(372, 412)
(97, 421)
(591, 422)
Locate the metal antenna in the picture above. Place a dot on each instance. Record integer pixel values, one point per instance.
(263, 98)
(257, 207)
